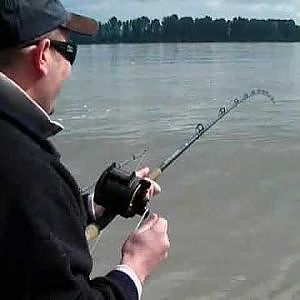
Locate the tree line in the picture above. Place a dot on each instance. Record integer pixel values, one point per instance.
(187, 29)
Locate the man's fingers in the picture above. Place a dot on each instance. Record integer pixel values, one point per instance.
(143, 172)
(154, 188)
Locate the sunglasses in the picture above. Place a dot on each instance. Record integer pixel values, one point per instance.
(67, 49)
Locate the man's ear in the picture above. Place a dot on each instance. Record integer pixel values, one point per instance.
(42, 56)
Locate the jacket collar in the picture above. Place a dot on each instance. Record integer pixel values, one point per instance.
(16, 104)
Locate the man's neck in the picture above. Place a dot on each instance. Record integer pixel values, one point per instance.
(26, 82)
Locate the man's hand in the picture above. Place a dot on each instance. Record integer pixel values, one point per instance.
(146, 247)
(154, 188)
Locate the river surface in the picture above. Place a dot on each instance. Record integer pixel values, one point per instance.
(233, 200)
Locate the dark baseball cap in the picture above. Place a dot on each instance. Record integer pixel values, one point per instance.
(22, 21)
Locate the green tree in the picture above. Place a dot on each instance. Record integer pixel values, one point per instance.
(186, 29)
(170, 32)
(155, 30)
(203, 28)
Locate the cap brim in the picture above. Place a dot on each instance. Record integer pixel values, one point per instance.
(81, 24)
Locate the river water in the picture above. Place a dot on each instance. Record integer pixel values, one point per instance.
(233, 200)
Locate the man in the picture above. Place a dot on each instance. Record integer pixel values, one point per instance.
(43, 250)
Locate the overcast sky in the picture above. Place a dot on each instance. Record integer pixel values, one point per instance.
(102, 10)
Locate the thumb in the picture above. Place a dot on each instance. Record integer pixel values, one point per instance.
(149, 223)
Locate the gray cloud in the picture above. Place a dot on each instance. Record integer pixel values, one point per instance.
(103, 9)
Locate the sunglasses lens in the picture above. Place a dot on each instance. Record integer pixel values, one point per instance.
(71, 51)
(67, 50)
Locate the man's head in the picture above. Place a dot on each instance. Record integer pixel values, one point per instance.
(34, 48)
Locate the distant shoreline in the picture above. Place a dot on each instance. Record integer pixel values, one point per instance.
(212, 42)
(173, 29)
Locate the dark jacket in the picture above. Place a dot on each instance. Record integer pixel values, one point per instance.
(43, 250)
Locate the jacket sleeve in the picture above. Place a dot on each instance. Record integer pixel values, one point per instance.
(44, 252)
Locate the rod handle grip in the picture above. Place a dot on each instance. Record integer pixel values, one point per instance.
(155, 174)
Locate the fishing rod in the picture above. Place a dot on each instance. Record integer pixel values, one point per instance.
(201, 129)
(119, 192)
